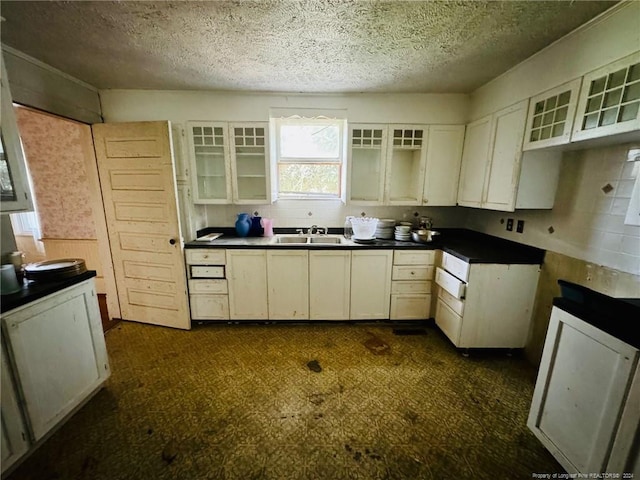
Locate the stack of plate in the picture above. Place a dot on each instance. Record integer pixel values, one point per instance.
(403, 233)
(384, 230)
(54, 270)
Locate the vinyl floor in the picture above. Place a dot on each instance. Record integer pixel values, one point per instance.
(322, 401)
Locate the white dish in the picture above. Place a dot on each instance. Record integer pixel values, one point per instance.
(209, 237)
(363, 240)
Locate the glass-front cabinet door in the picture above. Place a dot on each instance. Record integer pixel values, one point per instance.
(367, 155)
(210, 166)
(14, 184)
(551, 114)
(610, 100)
(250, 162)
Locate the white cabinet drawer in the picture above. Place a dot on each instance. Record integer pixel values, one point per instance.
(450, 283)
(205, 256)
(410, 257)
(407, 286)
(456, 304)
(410, 306)
(411, 272)
(209, 307)
(449, 322)
(208, 286)
(213, 271)
(454, 265)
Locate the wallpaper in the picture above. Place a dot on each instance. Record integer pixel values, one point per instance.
(54, 155)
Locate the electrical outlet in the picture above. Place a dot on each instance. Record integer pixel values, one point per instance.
(520, 226)
(509, 224)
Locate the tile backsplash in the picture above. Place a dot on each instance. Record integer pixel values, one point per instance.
(587, 221)
(330, 213)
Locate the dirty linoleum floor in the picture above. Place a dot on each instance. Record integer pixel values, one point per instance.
(327, 401)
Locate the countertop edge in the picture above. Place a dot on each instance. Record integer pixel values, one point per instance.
(32, 291)
(617, 319)
(468, 245)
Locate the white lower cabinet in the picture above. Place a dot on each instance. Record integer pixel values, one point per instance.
(411, 277)
(288, 284)
(58, 359)
(329, 284)
(14, 441)
(209, 307)
(493, 310)
(208, 290)
(370, 284)
(247, 281)
(585, 406)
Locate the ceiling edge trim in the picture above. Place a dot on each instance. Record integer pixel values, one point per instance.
(46, 66)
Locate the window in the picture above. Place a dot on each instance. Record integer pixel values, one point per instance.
(309, 157)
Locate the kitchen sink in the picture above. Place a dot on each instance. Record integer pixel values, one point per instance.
(307, 239)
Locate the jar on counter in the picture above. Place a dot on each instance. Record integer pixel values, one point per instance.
(348, 228)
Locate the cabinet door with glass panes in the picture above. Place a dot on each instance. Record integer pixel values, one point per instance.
(551, 114)
(250, 162)
(609, 100)
(367, 155)
(406, 154)
(210, 163)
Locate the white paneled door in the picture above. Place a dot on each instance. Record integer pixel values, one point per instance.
(140, 201)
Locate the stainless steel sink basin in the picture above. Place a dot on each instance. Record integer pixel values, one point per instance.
(334, 240)
(291, 239)
(307, 239)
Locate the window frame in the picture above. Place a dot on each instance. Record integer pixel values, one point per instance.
(340, 161)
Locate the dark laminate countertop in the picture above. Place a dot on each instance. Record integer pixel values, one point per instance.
(619, 317)
(34, 290)
(470, 246)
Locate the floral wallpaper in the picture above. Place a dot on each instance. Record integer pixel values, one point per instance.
(56, 162)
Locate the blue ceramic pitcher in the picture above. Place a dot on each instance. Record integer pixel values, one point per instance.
(243, 224)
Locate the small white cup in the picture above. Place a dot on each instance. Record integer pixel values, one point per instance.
(8, 280)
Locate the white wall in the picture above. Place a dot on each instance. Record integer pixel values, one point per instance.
(613, 35)
(181, 106)
(587, 222)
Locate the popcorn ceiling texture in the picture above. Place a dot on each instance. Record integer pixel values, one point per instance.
(290, 45)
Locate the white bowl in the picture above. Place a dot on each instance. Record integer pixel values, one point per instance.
(364, 227)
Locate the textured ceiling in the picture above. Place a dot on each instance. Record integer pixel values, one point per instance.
(290, 45)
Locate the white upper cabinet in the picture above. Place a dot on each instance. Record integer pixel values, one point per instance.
(502, 176)
(609, 101)
(367, 159)
(210, 162)
(551, 114)
(496, 175)
(442, 171)
(14, 185)
(405, 164)
(250, 162)
(229, 162)
(475, 160)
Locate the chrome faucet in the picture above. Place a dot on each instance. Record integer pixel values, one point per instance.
(314, 229)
